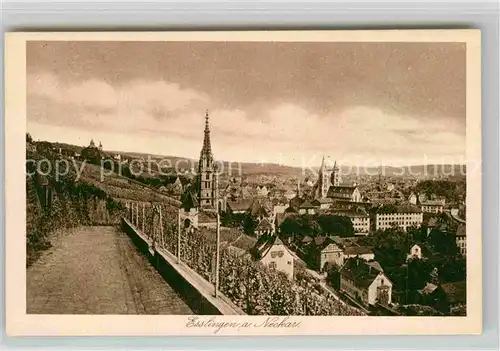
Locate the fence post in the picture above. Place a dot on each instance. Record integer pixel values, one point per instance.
(143, 215)
(137, 215)
(162, 240)
(179, 236)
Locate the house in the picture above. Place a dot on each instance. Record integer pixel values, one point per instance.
(189, 210)
(330, 253)
(460, 238)
(275, 255)
(264, 227)
(403, 216)
(365, 283)
(360, 220)
(415, 252)
(431, 224)
(259, 211)
(177, 187)
(432, 206)
(412, 199)
(322, 203)
(262, 191)
(306, 240)
(307, 208)
(363, 252)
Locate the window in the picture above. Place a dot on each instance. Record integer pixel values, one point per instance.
(289, 262)
(272, 265)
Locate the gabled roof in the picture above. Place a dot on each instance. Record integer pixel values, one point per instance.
(429, 288)
(306, 205)
(330, 246)
(358, 250)
(360, 273)
(264, 225)
(433, 203)
(375, 265)
(266, 246)
(257, 209)
(307, 239)
(461, 230)
(239, 205)
(341, 191)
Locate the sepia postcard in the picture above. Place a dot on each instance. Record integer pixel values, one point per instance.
(243, 183)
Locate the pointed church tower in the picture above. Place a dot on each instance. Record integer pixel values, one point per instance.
(335, 177)
(324, 181)
(206, 170)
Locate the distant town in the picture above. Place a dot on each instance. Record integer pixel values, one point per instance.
(382, 244)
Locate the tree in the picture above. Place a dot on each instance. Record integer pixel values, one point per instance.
(390, 247)
(300, 226)
(443, 242)
(338, 225)
(452, 269)
(419, 273)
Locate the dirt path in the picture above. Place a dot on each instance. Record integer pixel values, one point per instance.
(97, 270)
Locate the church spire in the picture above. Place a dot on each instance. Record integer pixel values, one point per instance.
(322, 168)
(207, 147)
(206, 171)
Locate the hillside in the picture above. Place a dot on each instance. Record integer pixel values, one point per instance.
(250, 168)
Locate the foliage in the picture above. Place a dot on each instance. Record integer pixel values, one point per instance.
(313, 225)
(253, 287)
(452, 191)
(338, 225)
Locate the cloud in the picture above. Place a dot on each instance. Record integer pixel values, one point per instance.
(165, 112)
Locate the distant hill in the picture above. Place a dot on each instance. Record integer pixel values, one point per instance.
(249, 168)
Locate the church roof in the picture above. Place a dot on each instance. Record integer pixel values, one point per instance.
(341, 191)
(240, 205)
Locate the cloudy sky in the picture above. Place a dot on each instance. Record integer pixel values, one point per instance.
(291, 103)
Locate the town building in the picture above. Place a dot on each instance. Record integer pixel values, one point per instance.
(415, 252)
(330, 253)
(307, 207)
(461, 238)
(403, 217)
(265, 227)
(206, 171)
(365, 282)
(363, 252)
(239, 206)
(432, 206)
(323, 203)
(344, 193)
(275, 255)
(412, 199)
